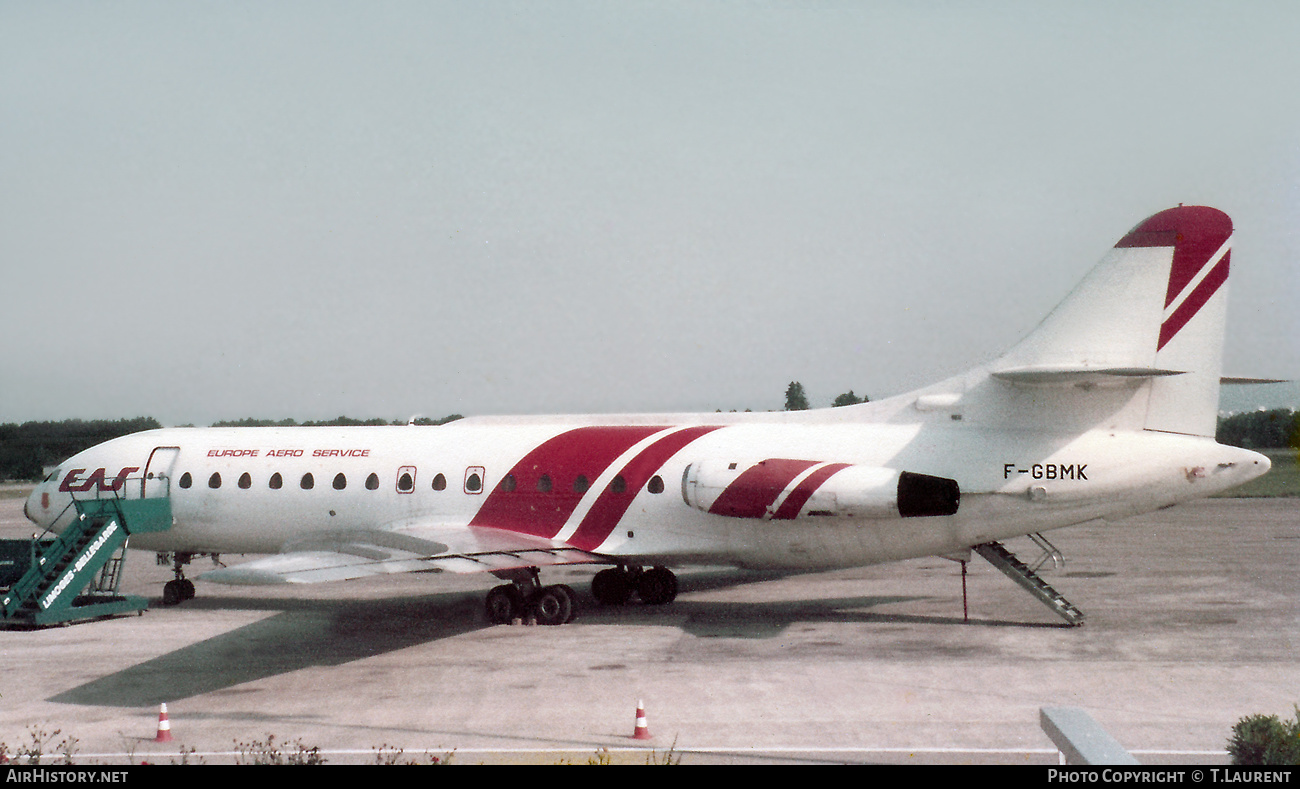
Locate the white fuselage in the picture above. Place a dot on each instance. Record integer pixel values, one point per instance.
(615, 488)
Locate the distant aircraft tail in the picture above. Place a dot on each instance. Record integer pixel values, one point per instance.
(1145, 327)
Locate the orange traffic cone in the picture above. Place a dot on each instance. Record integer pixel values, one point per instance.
(641, 732)
(164, 726)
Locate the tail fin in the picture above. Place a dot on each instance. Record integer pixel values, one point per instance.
(1151, 314)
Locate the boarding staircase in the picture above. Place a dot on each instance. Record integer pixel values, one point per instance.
(998, 556)
(77, 575)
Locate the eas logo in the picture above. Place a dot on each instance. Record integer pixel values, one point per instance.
(71, 484)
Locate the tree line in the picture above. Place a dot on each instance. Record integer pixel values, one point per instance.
(1275, 429)
(26, 449)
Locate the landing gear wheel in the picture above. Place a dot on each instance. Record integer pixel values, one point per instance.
(504, 603)
(174, 593)
(553, 605)
(657, 586)
(612, 586)
(181, 588)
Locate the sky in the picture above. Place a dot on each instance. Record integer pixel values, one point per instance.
(393, 209)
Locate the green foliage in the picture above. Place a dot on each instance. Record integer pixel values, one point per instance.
(253, 422)
(339, 421)
(1274, 429)
(27, 448)
(1265, 740)
(795, 399)
(848, 398)
(424, 420)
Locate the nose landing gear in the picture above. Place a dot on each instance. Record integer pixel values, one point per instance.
(181, 588)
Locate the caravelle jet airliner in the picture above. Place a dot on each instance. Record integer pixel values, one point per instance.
(1106, 410)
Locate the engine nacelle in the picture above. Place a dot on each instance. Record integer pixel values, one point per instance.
(785, 489)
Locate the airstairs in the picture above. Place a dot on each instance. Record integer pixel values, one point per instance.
(998, 556)
(77, 575)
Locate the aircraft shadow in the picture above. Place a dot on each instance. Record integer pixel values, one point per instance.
(303, 634)
(307, 633)
(768, 619)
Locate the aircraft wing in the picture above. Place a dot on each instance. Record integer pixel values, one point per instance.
(412, 547)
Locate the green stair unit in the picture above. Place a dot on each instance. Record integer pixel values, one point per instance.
(77, 575)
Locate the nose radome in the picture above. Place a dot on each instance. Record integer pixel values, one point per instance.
(31, 507)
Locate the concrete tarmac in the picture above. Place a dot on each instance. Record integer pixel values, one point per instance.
(1193, 621)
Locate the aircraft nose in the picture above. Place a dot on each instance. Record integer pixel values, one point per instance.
(28, 510)
(38, 507)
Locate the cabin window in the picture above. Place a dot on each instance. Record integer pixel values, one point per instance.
(340, 481)
(656, 484)
(619, 484)
(508, 483)
(372, 482)
(581, 484)
(308, 481)
(474, 479)
(245, 481)
(186, 480)
(439, 482)
(406, 479)
(214, 481)
(277, 481)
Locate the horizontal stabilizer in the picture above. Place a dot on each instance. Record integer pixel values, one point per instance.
(1227, 381)
(1072, 376)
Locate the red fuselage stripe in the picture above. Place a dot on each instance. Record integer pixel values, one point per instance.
(750, 494)
(531, 509)
(610, 507)
(789, 509)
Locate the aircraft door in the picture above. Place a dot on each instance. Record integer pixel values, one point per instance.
(158, 472)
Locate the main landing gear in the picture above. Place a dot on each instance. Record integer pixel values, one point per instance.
(615, 586)
(525, 597)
